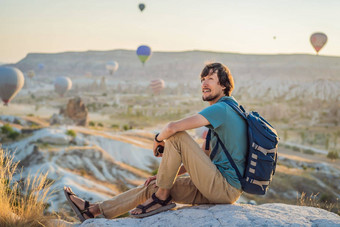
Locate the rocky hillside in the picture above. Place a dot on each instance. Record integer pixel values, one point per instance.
(96, 164)
(99, 164)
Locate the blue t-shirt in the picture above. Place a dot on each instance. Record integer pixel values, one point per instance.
(232, 130)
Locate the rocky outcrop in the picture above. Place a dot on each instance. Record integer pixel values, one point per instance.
(75, 113)
(271, 214)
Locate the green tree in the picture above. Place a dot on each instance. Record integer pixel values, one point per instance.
(13, 135)
(6, 129)
(71, 133)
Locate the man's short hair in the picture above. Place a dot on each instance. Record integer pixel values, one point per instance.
(224, 76)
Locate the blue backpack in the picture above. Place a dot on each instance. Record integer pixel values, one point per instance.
(262, 152)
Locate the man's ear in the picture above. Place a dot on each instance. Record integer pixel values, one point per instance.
(223, 87)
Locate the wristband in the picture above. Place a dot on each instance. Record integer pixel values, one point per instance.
(157, 139)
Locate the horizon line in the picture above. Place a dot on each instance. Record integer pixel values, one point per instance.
(177, 51)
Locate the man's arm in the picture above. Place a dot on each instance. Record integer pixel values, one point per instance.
(185, 124)
(171, 128)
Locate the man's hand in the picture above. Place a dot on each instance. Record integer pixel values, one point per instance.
(147, 182)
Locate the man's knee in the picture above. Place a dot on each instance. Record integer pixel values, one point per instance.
(178, 135)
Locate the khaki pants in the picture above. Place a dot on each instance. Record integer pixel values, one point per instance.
(205, 184)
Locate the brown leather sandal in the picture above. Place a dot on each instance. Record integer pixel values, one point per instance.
(165, 206)
(80, 213)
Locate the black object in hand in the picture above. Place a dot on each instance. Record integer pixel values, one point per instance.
(159, 150)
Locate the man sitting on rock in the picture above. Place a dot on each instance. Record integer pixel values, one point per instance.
(209, 181)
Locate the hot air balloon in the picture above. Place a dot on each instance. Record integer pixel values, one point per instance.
(11, 82)
(31, 74)
(143, 53)
(141, 6)
(157, 86)
(62, 84)
(318, 40)
(112, 66)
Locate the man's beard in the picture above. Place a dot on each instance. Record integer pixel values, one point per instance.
(209, 98)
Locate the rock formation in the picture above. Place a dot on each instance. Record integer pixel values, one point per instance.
(75, 113)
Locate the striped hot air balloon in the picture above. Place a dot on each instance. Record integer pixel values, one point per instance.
(157, 86)
(11, 82)
(318, 40)
(62, 84)
(143, 53)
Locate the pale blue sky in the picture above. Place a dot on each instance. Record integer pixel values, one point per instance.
(243, 26)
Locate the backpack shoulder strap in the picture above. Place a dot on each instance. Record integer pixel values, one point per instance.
(239, 109)
(228, 156)
(207, 140)
(214, 151)
(207, 145)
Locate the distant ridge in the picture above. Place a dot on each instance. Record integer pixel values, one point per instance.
(184, 51)
(185, 65)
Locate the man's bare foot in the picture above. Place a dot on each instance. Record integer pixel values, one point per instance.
(80, 203)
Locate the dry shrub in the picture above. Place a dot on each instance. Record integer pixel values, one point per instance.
(22, 202)
(314, 201)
